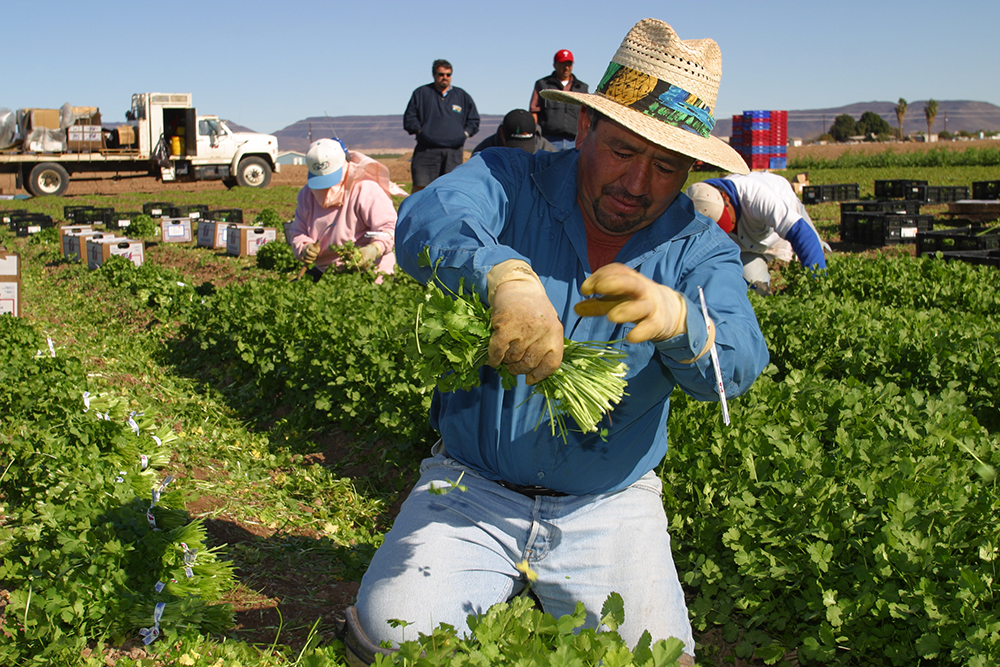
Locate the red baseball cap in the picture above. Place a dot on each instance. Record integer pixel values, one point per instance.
(564, 56)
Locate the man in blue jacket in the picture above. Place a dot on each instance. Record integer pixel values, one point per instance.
(442, 117)
(596, 243)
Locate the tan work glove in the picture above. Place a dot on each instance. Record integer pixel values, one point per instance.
(527, 334)
(310, 253)
(628, 296)
(370, 254)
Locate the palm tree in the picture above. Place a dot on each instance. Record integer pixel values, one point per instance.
(900, 112)
(930, 111)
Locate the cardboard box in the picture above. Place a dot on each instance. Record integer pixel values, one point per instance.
(175, 230)
(48, 118)
(86, 116)
(800, 181)
(99, 250)
(126, 135)
(84, 138)
(212, 234)
(73, 232)
(76, 245)
(10, 282)
(245, 240)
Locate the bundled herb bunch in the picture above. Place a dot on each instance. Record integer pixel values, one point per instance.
(452, 343)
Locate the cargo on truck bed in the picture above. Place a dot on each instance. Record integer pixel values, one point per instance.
(162, 136)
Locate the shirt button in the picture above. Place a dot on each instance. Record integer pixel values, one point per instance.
(541, 474)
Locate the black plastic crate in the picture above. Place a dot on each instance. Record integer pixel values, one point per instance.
(957, 239)
(92, 215)
(18, 219)
(817, 194)
(895, 189)
(193, 211)
(986, 190)
(898, 229)
(880, 228)
(160, 209)
(854, 225)
(69, 212)
(234, 215)
(940, 194)
(981, 257)
(901, 206)
(7, 215)
(915, 193)
(32, 223)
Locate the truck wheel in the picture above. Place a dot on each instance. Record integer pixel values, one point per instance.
(253, 172)
(47, 178)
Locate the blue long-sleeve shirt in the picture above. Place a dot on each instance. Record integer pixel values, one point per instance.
(507, 204)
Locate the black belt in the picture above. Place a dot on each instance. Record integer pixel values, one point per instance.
(531, 491)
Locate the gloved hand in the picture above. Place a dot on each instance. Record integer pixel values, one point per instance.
(370, 254)
(628, 296)
(310, 253)
(527, 334)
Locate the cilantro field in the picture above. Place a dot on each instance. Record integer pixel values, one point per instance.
(846, 517)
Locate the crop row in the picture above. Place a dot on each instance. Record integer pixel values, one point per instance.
(846, 516)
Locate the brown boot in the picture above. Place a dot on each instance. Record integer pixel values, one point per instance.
(361, 651)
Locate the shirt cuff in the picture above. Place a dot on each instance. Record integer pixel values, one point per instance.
(686, 347)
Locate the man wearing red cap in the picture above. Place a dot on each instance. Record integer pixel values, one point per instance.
(557, 119)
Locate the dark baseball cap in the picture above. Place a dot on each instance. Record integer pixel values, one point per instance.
(518, 129)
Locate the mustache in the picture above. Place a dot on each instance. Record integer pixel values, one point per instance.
(621, 194)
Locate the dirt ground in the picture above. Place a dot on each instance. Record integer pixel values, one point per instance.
(399, 169)
(86, 184)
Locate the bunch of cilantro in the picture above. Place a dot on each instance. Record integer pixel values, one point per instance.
(452, 344)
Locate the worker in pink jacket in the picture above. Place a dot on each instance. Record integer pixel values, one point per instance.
(346, 198)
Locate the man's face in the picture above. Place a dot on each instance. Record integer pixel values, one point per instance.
(442, 79)
(624, 182)
(563, 69)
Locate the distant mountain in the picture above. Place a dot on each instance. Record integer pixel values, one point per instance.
(385, 133)
(236, 127)
(366, 132)
(961, 114)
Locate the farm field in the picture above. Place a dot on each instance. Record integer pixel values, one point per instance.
(846, 517)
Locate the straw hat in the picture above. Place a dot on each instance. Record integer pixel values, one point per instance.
(664, 89)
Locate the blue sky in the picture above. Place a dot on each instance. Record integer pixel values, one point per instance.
(268, 64)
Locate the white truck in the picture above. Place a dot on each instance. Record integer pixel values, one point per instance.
(155, 140)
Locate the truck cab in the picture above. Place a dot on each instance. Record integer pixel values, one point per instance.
(251, 155)
(186, 146)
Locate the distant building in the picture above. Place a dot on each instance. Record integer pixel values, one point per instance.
(291, 157)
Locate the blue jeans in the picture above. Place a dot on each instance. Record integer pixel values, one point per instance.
(448, 556)
(755, 267)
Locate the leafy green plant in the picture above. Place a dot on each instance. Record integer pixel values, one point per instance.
(47, 236)
(142, 227)
(278, 257)
(152, 285)
(515, 633)
(350, 254)
(93, 539)
(268, 217)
